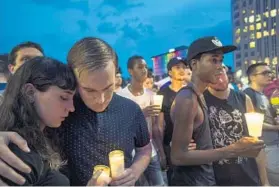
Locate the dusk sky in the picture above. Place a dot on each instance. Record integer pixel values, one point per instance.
(142, 27)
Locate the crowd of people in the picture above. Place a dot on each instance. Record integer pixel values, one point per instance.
(58, 121)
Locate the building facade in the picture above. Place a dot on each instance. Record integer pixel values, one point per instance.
(255, 33)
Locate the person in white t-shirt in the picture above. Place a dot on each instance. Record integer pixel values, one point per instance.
(143, 97)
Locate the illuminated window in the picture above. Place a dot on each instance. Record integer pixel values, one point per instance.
(251, 19)
(265, 33)
(252, 44)
(237, 32)
(266, 14)
(244, 80)
(246, 20)
(252, 36)
(238, 73)
(272, 32)
(243, 11)
(237, 40)
(266, 60)
(258, 18)
(252, 27)
(253, 61)
(245, 29)
(264, 24)
(275, 60)
(252, 11)
(259, 35)
(245, 62)
(274, 24)
(273, 13)
(258, 26)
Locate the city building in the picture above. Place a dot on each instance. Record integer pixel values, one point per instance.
(160, 61)
(255, 33)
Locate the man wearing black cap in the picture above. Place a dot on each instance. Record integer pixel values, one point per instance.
(189, 116)
(177, 70)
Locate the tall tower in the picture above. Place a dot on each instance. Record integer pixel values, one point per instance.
(255, 33)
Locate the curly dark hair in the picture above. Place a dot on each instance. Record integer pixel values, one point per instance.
(18, 114)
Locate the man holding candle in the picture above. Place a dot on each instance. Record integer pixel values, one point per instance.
(143, 97)
(260, 76)
(189, 116)
(102, 122)
(226, 109)
(179, 73)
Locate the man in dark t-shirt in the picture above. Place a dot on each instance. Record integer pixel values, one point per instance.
(178, 72)
(260, 76)
(226, 108)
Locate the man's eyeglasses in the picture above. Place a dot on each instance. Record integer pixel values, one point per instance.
(265, 73)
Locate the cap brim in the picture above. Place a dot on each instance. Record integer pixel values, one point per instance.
(170, 65)
(227, 49)
(224, 49)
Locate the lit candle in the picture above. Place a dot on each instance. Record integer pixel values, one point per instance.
(104, 177)
(158, 100)
(254, 123)
(116, 161)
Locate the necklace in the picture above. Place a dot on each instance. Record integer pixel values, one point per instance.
(201, 99)
(136, 94)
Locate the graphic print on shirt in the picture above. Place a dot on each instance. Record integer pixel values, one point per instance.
(226, 129)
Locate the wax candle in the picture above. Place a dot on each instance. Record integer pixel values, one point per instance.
(158, 100)
(254, 123)
(104, 177)
(116, 161)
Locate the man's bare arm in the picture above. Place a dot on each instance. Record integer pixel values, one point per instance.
(183, 113)
(249, 104)
(141, 160)
(161, 124)
(157, 140)
(270, 127)
(157, 137)
(261, 163)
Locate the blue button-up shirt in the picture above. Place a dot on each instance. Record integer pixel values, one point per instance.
(89, 136)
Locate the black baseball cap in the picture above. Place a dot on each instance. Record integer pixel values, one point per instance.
(174, 61)
(207, 44)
